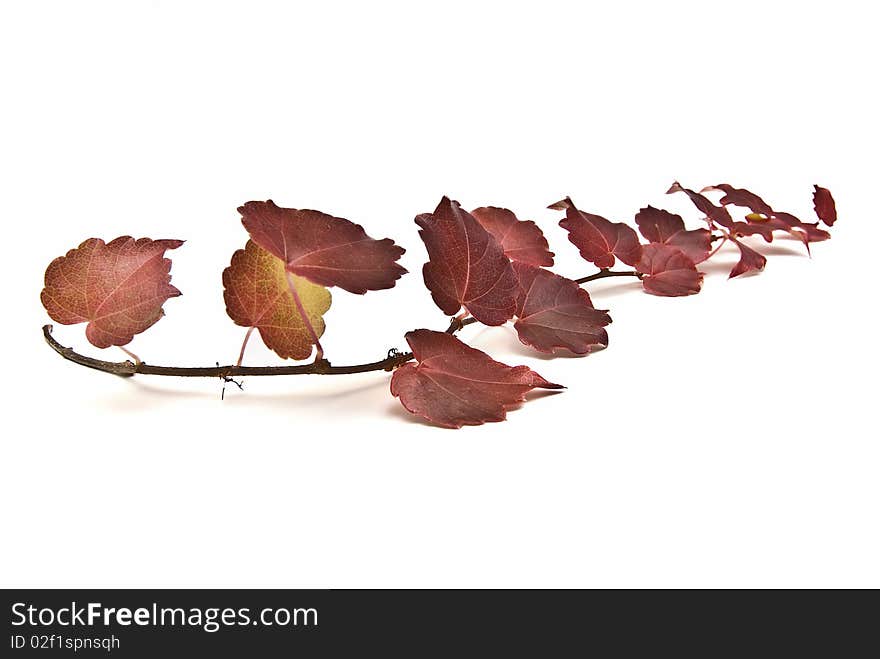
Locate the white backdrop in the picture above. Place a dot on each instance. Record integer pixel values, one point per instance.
(725, 439)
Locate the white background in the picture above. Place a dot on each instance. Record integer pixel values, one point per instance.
(726, 439)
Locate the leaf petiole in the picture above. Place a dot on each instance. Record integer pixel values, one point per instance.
(319, 354)
(244, 343)
(131, 355)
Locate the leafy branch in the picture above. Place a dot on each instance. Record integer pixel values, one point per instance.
(486, 266)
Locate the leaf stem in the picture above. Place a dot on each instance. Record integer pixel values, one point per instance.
(244, 343)
(715, 251)
(134, 357)
(319, 354)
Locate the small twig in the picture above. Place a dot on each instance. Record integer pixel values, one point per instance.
(715, 251)
(604, 272)
(459, 321)
(127, 368)
(226, 379)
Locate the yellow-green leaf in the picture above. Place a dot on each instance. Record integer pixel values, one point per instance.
(287, 309)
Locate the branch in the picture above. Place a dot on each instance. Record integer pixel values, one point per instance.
(128, 368)
(604, 272)
(319, 367)
(457, 323)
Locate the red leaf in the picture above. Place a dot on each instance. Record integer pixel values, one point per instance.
(118, 287)
(554, 312)
(714, 214)
(696, 244)
(455, 385)
(763, 227)
(668, 271)
(521, 240)
(811, 230)
(600, 240)
(823, 202)
(750, 260)
(326, 250)
(742, 198)
(660, 226)
(467, 266)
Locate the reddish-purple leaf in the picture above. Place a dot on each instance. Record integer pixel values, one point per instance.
(454, 385)
(521, 240)
(326, 250)
(764, 220)
(750, 260)
(823, 202)
(756, 226)
(742, 198)
(600, 240)
(554, 312)
(811, 230)
(118, 288)
(714, 214)
(660, 226)
(467, 266)
(765, 226)
(668, 271)
(696, 244)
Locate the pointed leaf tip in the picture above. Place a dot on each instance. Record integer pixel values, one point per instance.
(560, 205)
(750, 260)
(714, 214)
